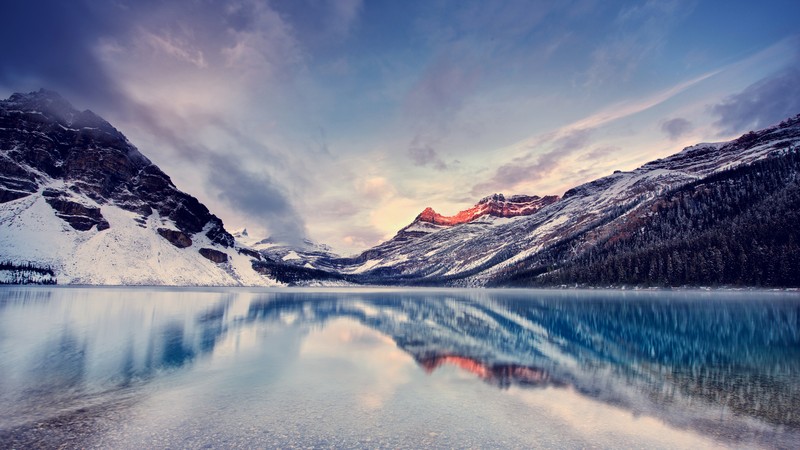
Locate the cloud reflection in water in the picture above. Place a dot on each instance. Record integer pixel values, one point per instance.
(722, 364)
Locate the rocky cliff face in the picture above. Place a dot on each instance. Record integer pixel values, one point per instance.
(72, 186)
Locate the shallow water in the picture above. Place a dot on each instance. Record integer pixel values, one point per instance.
(172, 367)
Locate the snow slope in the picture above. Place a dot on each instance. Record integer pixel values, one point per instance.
(77, 199)
(124, 254)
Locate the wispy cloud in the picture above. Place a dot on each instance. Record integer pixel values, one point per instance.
(433, 103)
(522, 169)
(175, 47)
(360, 236)
(264, 44)
(502, 23)
(629, 108)
(543, 155)
(603, 152)
(321, 25)
(467, 40)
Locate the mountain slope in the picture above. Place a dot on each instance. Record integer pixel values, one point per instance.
(737, 227)
(80, 201)
(406, 256)
(495, 251)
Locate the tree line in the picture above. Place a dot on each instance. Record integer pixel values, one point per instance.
(26, 273)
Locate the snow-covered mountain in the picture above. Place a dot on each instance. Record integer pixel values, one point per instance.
(474, 248)
(80, 204)
(306, 254)
(430, 233)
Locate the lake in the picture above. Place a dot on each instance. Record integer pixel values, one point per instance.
(397, 368)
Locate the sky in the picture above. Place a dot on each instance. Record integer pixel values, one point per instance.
(340, 121)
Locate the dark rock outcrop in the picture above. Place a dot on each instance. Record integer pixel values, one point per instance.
(214, 255)
(78, 216)
(176, 238)
(251, 253)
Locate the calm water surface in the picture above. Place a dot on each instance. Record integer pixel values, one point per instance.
(188, 368)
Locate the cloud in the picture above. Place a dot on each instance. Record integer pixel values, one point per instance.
(180, 77)
(361, 237)
(50, 44)
(321, 145)
(375, 188)
(423, 155)
(603, 152)
(501, 24)
(761, 104)
(675, 128)
(573, 141)
(257, 196)
(625, 109)
(535, 166)
(321, 24)
(336, 208)
(433, 103)
(264, 44)
(176, 48)
(440, 91)
(522, 169)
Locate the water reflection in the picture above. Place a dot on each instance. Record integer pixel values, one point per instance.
(724, 364)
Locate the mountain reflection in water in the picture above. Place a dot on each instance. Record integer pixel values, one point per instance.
(724, 364)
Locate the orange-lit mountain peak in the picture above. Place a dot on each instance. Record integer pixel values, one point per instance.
(494, 205)
(468, 364)
(501, 374)
(428, 215)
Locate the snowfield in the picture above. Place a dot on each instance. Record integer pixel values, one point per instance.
(127, 253)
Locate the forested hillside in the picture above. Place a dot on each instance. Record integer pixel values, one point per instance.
(736, 228)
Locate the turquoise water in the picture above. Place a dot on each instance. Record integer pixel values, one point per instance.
(395, 368)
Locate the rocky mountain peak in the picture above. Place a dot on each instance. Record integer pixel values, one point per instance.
(44, 139)
(428, 215)
(494, 198)
(41, 100)
(54, 107)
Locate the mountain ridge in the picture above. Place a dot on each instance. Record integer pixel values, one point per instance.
(483, 251)
(80, 204)
(494, 205)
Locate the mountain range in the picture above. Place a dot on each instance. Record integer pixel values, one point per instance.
(80, 204)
